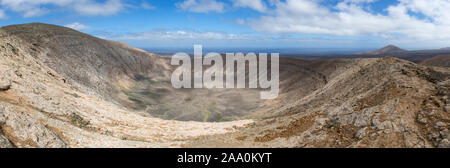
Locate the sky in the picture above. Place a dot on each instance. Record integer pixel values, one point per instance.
(315, 24)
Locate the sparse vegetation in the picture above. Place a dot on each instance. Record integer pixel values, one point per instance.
(77, 120)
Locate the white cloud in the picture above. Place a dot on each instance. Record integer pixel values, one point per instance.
(438, 10)
(34, 8)
(258, 5)
(2, 14)
(351, 18)
(201, 6)
(77, 26)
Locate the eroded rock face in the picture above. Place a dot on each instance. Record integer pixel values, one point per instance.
(4, 143)
(384, 102)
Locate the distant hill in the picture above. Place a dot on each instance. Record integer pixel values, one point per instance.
(390, 49)
(441, 60)
(446, 48)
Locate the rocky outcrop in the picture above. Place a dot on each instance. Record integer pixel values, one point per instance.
(25, 131)
(4, 84)
(4, 143)
(47, 107)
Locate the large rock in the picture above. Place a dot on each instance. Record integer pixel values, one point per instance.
(4, 84)
(4, 142)
(25, 131)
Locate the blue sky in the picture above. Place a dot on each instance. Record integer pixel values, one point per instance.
(352, 24)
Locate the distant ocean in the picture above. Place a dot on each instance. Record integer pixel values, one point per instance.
(282, 51)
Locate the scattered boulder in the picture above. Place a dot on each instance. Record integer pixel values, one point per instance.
(4, 84)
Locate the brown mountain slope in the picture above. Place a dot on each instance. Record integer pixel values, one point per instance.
(442, 61)
(383, 102)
